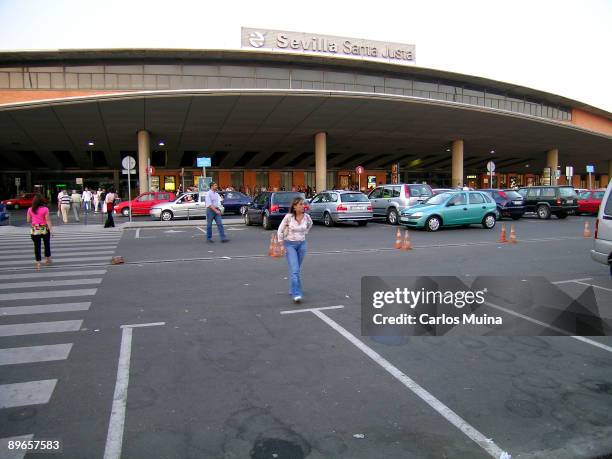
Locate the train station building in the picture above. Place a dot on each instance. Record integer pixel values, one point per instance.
(283, 111)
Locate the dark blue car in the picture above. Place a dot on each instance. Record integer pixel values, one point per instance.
(3, 214)
(235, 202)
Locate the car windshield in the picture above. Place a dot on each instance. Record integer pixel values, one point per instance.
(286, 198)
(567, 191)
(584, 195)
(419, 190)
(438, 199)
(353, 197)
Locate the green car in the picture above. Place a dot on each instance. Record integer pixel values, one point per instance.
(455, 208)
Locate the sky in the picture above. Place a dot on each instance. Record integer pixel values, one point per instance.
(562, 47)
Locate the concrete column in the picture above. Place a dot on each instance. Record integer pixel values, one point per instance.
(552, 161)
(144, 155)
(457, 167)
(116, 180)
(320, 161)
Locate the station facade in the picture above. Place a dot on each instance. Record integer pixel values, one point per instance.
(280, 120)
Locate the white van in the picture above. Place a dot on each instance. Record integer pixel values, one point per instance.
(602, 245)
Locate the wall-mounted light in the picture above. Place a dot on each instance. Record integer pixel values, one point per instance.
(492, 151)
(91, 143)
(162, 143)
(448, 149)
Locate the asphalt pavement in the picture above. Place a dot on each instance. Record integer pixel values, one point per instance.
(217, 362)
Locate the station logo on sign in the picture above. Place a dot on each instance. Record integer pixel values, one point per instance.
(257, 39)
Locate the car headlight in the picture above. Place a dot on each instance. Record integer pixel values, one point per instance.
(416, 215)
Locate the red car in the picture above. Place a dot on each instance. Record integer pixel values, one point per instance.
(22, 201)
(143, 203)
(589, 201)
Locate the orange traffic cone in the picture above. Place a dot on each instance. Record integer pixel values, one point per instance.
(512, 235)
(587, 232)
(502, 236)
(406, 245)
(398, 239)
(272, 246)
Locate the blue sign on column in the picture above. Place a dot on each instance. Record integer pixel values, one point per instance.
(204, 162)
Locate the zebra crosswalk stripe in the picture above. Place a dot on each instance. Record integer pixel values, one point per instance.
(47, 294)
(26, 393)
(51, 283)
(37, 328)
(31, 354)
(16, 453)
(44, 309)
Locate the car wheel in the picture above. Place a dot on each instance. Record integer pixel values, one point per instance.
(247, 220)
(266, 222)
(243, 210)
(362, 223)
(328, 220)
(516, 217)
(392, 217)
(125, 211)
(488, 222)
(433, 223)
(166, 216)
(543, 212)
(561, 215)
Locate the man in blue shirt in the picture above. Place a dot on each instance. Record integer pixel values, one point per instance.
(213, 202)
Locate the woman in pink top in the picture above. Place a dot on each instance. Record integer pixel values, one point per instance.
(38, 216)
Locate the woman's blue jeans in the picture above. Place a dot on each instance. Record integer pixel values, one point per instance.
(296, 251)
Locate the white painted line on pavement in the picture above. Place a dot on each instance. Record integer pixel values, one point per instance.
(552, 327)
(45, 273)
(14, 453)
(201, 229)
(295, 311)
(27, 393)
(56, 260)
(57, 250)
(593, 285)
(51, 283)
(481, 440)
(137, 233)
(114, 439)
(571, 280)
(36, 328)
(51, 294)
(21, 256)
(44, 309)
(31, 354)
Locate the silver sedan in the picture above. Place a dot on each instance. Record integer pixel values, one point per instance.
(331, 207)
(188, 205)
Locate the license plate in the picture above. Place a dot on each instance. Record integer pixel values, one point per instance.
(570, 201)
(358, 208)
(517, 203)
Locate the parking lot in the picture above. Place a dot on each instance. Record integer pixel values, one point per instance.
(227, 366)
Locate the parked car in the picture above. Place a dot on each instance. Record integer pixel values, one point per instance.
(235, 202)
(336, 206)
(602, 244)
(550, 200)
(187, 205)
(459, 208)
(24, 200)
(509, 203)
(270, 207)
(389, 200)
(589, 201)
(4, 216)
(141, 205)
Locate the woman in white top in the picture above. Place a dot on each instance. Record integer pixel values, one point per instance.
(109, 202)
(292, 232)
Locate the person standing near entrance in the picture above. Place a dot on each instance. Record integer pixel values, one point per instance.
(96, 198)
(109, 202)
(38, 217)
(292, 233)
(213, 203)
(64, 204)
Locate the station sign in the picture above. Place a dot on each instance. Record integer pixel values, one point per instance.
(359, 170)
(569, 171)
(203, 162)
(128, 162)
(314, 43)
(590, 169)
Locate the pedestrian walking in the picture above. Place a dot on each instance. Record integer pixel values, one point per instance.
(109, 203)
(40, 231)
(213, 203)
(292, 233)
(87, 200)
(75, 203)
(64, 204)
(97, 198)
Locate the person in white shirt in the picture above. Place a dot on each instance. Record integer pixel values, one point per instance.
(109, 202)
(292, 232)
(87, 199)
(213, 212)
(96, 198)
(75, 203)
